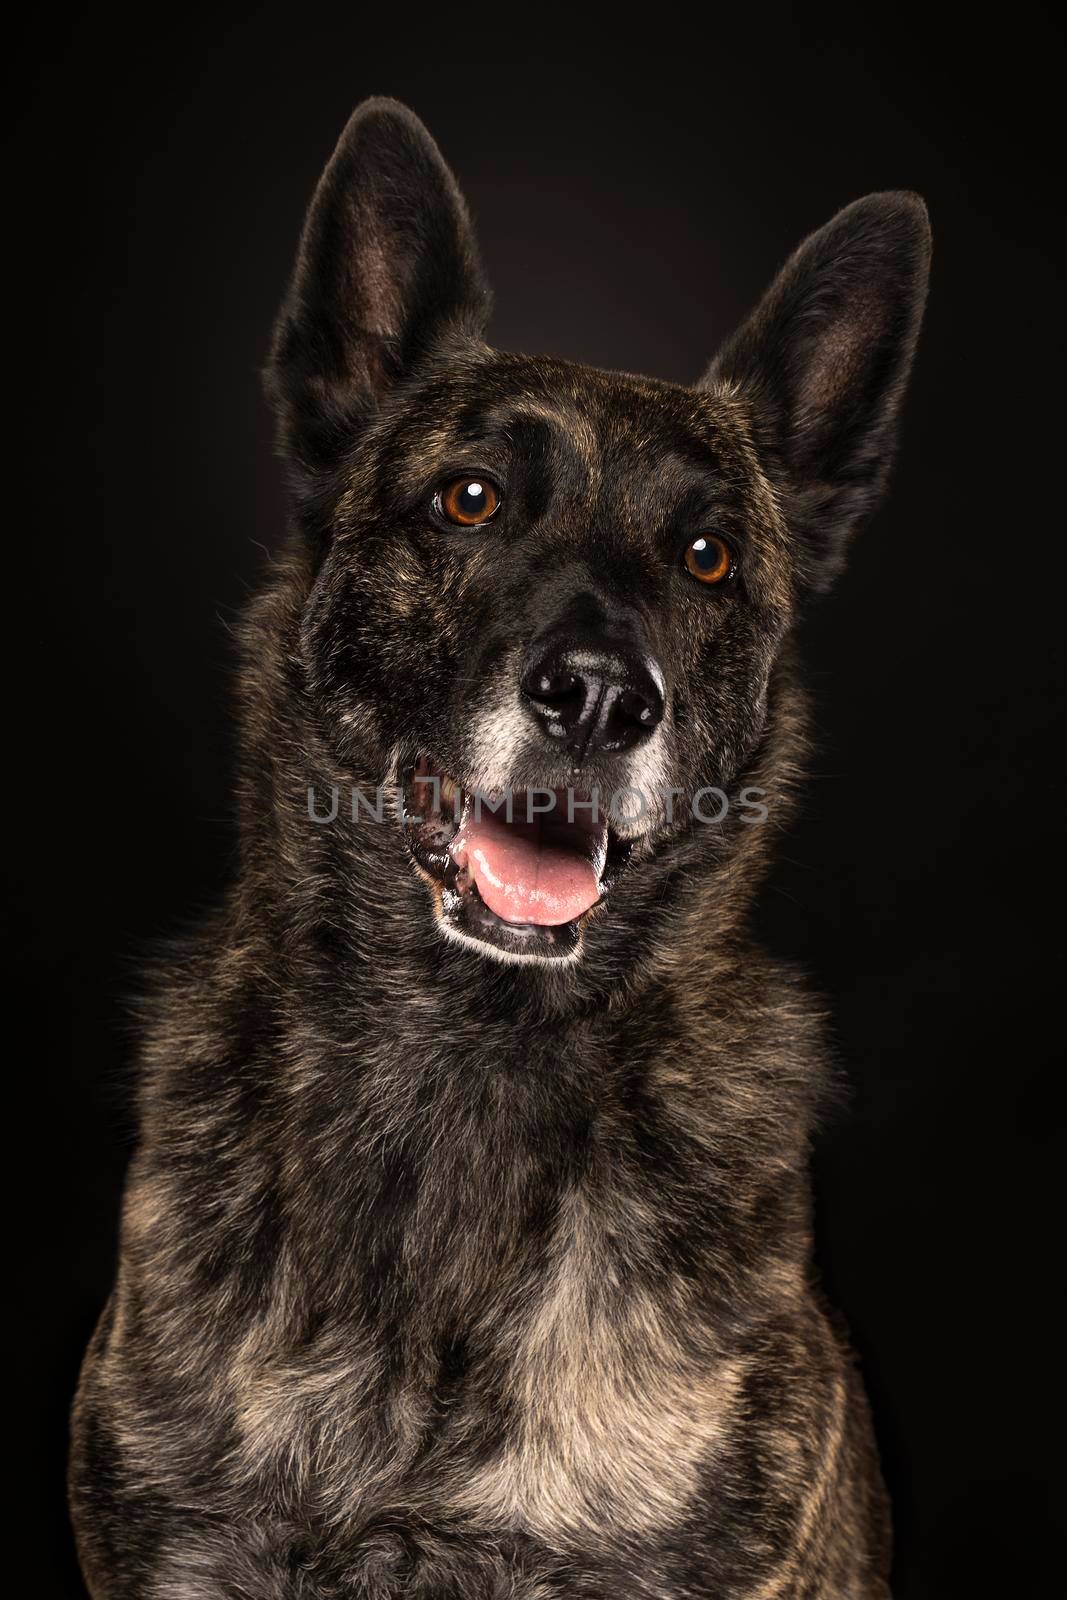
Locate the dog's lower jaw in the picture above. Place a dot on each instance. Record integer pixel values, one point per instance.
(466, 920)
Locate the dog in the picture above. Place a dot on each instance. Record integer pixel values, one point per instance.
(466, 1246)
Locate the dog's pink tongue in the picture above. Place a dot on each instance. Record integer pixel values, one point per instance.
(539, 871)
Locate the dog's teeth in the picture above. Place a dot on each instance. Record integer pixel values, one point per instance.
(448, 791)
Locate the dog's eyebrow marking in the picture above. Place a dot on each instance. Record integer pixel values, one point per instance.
(567, 427)
(529, 433)
(696, 501)
(689, 452)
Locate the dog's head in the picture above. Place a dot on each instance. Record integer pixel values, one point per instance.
(549, 590)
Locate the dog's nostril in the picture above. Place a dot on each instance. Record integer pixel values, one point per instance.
(555, 686)
(634, 707)
(627, 716)
(558, 699)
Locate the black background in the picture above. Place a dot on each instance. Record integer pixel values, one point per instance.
(634, 188)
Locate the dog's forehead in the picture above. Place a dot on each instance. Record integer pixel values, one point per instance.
(603, 429)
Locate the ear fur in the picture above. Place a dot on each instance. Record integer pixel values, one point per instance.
(824, 361)
(387, 265)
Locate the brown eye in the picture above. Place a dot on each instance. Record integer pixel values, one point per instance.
(710, 559)
(467, 501)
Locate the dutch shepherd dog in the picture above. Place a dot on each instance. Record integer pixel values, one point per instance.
(466, 1246)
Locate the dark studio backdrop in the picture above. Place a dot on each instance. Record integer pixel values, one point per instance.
(633, 192)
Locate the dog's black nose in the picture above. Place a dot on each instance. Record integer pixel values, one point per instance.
(593, 698)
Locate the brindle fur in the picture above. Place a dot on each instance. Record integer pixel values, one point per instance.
(442, 1277)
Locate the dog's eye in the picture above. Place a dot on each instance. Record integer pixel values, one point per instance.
(710, 559)
(467, 501)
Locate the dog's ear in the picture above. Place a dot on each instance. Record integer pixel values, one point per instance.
(387, 266)
(823, 362)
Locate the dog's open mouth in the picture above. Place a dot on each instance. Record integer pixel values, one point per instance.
(519, 871)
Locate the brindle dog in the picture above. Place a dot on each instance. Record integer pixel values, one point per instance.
(466, 1249)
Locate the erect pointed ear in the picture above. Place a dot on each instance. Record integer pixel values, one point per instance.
(386, 266)
(823, 362)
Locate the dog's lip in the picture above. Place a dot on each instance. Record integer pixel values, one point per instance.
(434, 839)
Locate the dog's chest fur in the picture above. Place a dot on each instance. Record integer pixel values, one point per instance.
(507, 1300)
(541, 1384)
(538, 1395)
(510, 1292)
